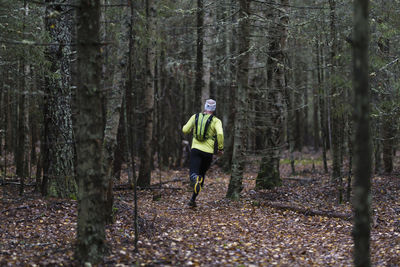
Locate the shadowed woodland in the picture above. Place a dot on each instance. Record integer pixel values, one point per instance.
(94, 163)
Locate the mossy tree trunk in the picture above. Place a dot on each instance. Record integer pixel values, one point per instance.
(58, 137)
(92, 184)
(363, 150)
(269, 175)
(238, 156)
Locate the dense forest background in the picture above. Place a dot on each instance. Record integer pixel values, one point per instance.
(93, 97)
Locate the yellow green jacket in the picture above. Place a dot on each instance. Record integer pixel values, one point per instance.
(215, 129)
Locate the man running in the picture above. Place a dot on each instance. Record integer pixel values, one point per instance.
(206, 129)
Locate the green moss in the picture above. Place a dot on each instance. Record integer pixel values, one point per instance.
(302, 161)
(268, 176)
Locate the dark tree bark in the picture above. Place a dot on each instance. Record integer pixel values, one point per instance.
(199, 56)
(238, 156)
(92, 183)
(146, 158)
(120, 150)
(229, 111)
(58, 134)
(336, 107)
(114, 106)
(269, 175)
(208, 49)
(363, 151)
(22, 155)
(316, 141)
(389, 125)
(321, 100)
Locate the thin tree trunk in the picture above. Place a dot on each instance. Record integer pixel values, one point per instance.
(321, 98)
(129, 100)
(120, 150)
(230, 111)
(199, 56)
(114, 107)
(22, 157)
(146, 159)
(208, 13)
(335, 107)
(316, 127)
(363, 157)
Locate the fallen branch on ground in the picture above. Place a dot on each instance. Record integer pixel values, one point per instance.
(309, 211)
(299, 179)
(153, 186)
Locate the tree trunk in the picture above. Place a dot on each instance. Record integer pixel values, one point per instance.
(336, 107)
(58, 140)
(363, 157)
(22, 155)
(377, 146)
(315, 118)
(114, 107)
(146, 158)
(207, 48)
(230, 110)
(269, 175)
(120, 150)
(92, 183)
(321, 99)
(238, 155)
(198, 86)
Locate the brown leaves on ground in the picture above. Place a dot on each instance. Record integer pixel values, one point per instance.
(217, 232)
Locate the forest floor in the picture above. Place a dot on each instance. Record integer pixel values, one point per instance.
(297, 224)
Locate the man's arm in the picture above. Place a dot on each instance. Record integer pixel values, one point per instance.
(220, 135)
(189, 125)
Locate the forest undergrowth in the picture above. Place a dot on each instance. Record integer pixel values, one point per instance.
(297, 224)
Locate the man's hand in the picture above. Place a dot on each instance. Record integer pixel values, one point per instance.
(220, 152)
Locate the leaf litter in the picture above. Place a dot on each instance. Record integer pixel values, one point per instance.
(252, 232)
